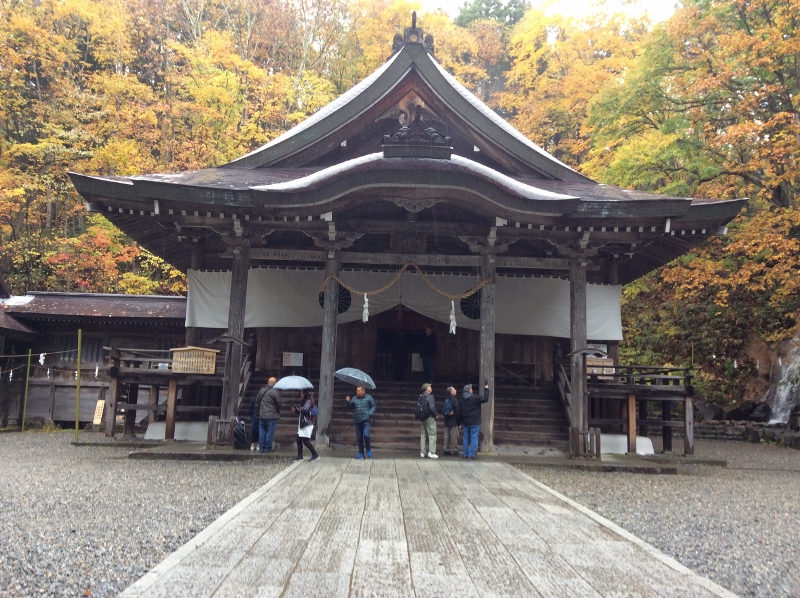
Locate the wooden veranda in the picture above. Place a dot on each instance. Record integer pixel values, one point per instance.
(618, 398)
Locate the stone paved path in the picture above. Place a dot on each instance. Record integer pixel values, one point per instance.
(340, 527)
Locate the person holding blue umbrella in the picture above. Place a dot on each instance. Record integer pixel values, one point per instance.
(363, 406)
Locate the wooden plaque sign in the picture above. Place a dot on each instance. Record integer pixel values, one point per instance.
(98, 412)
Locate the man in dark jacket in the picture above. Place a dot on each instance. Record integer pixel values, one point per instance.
(427, 429)
(364, 408)
(471, 418)
(269, 410)
(452, 421)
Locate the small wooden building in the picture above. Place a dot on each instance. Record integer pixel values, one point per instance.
(409, 171)
(47, 324)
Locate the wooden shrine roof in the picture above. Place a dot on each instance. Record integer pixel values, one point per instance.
(314, 186)
(66, 306)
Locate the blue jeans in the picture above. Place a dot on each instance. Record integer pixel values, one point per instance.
(362, 437)
(255, 426)
(471, 440)
(427, 368)
(266, 432)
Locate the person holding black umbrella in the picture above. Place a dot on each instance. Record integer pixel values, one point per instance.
(364, 408)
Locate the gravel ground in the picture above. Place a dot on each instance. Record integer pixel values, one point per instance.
(88, 521)
(739, 526)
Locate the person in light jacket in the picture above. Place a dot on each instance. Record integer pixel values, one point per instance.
(471, 418)
(364, 408)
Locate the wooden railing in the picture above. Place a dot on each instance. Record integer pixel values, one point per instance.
(635, 386)
(564, 391)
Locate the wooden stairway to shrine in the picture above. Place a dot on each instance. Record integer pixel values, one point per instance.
(524, 416)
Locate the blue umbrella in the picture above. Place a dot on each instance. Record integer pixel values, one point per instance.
(355, 377)
(293, 383)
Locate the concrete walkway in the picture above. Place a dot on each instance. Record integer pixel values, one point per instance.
(391, 527)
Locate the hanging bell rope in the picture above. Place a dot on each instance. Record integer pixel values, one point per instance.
(394, 280)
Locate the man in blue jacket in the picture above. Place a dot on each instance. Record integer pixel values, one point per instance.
(364, 407)
(471, 418)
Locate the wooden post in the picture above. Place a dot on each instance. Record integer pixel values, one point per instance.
(130, 414)
(198, 259)
(151, 415)
(666, 431)
(328, 357)
(113, 395)
(233, 360)
(577, 304)
(27, 382)
(632, 424)
(487, 348)
(643, 415)
(688, 426)
(77, 386)
(172, 395)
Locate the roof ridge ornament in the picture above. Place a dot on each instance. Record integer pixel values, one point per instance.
(416, 140)
(413, 35)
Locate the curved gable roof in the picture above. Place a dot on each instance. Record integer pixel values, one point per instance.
(412, 68)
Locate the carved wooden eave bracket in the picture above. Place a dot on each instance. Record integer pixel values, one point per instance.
(417, 140)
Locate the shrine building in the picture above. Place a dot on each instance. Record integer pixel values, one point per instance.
(514, 259)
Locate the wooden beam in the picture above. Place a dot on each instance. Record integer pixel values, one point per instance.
(130, 414)
(577, 295)
(666, 431)
(111, 405)
(172, 396)
(154, 390)
(398, 259)
(487, 351)
(688, 427)
(632, 424)
(328, 358)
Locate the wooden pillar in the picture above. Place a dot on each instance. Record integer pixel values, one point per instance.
(577, 318)
(233, 357)
(643, 431)
(111, 405)
(328, 357)
(487, 351)
(172, 396)
(632, 424)
(666, 431)
(198, 259)
(688, 426)
(151, 415)
(130, 414)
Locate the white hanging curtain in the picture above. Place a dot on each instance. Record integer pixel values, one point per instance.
(290, 298)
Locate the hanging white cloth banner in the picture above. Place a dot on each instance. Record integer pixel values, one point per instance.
(283, 298)
(365, 312)
(452, 317)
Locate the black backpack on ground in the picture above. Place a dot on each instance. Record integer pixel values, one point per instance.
(239, 436)
(423, 410)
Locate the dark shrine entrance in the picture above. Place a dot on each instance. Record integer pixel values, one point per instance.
(399, 338)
